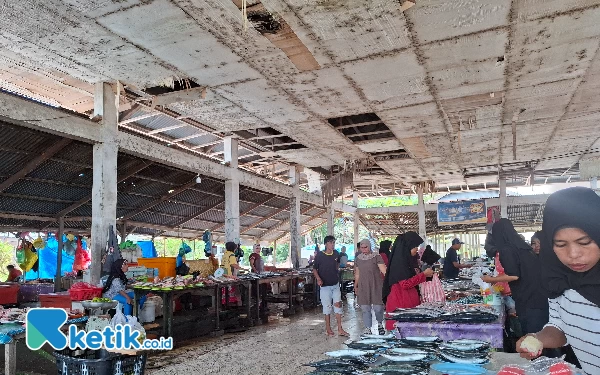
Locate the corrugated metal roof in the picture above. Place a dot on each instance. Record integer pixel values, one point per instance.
(68, 178)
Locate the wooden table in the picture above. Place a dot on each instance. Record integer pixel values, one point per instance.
(215, 290)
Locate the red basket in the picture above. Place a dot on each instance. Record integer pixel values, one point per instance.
(85, 294)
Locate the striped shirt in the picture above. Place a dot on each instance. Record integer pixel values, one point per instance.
(579, 319)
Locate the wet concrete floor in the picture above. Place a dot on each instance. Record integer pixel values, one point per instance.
(280, 347)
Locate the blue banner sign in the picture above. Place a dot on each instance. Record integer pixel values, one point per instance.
(468, 212)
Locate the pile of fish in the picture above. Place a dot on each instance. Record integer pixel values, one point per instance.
(465, 351)
(387, 355)
(455, 313)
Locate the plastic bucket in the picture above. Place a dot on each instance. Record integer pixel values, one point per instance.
(148, 312)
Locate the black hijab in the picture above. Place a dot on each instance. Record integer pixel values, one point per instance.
(384, 248)
(505, 236)
(116, 272)
(429, 256)
(576, 207)
(401, 263)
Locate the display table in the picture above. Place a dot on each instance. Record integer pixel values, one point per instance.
(11, 333)
(215, 290)
(31, 292)
(448, 331)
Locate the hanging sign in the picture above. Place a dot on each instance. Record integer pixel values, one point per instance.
(468, 212)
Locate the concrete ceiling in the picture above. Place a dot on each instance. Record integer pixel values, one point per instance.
(454, 81)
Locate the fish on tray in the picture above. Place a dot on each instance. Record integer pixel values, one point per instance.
(401, 368)
(465, 347)
(422, 338)
(389, 336)
(347, 353)
(405, 357)
(366, 347)
(471, 361)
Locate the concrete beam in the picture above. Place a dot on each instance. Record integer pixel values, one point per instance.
(33, 115)
(338, 206)
(394, 210)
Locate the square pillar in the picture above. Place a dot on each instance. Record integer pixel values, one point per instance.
(330, 220)
(295, 218)
(104, 187)
(232, 192)
(421, 210)
(356, 217)
(503, 199)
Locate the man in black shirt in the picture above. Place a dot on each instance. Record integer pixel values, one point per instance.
(451, 263)
(325, 270)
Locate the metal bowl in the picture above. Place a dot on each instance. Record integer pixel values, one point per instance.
(99, 305)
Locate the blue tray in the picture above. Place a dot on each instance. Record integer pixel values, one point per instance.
(458, 369)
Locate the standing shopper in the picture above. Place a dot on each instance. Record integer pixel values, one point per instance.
(384, 251)
(325, 270)
(570, 266)
(368, 285)
(257, 264)
(522, 271)
(429, 258)
(403, 275)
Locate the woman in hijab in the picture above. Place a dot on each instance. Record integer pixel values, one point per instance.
(116, 286)
(570, 258)
(368, 283)
(403, 276)
(429, 257)
(502, 279)
(384, 251)
(522, 271)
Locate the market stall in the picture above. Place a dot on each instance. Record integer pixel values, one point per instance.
(462, 314)
(208, 319)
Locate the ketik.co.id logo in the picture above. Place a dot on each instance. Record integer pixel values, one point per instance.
(44, 326)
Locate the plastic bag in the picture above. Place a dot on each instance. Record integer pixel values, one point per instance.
(119, 318)
(31, 257)
(39, 243)
(82, 258)
(432, 291)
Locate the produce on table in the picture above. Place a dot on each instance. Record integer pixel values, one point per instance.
(100, 299)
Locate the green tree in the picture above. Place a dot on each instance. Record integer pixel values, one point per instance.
(170, 247)
(7, 256)
(282, 252)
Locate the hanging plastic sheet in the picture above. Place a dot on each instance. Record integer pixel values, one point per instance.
(47, 258)
(148, 249)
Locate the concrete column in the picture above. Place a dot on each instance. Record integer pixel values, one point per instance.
(104, 188)
(330, 220)
(594, 183)
(503, 200)
(232, 192)
(421, 207)
(356, 218)
(295, 218)
(58, 277)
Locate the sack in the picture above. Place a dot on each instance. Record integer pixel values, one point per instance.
(432, 291)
